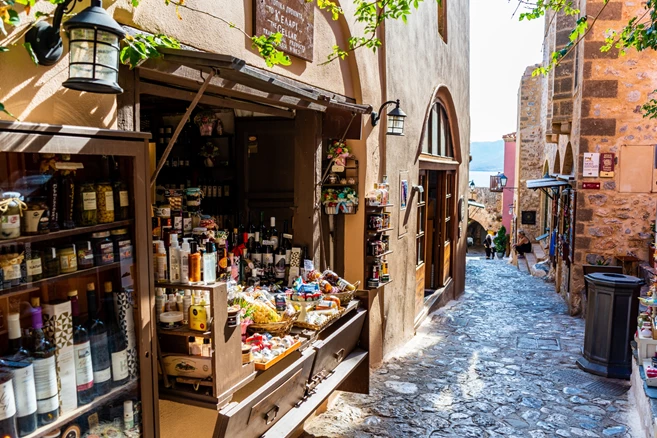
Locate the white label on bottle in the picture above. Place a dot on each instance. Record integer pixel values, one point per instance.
(184, 269)
(102, 375)
(84, 372)
(47, 405)
(161, 267)
(120, 365)
(178, 223)
(45, 379)
(287, 236)
(288, 256)
(123, 198)
(279, 261)
(274, 241)
(109, 201)
(7, 402)
(11, 221)
(256, 257)
(12, 272)
(187, 225)
(24, 390)
(34, 267)
(32, 220)
(268, 259)
(89, 200)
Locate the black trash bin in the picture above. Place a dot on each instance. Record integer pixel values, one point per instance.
(611, 315)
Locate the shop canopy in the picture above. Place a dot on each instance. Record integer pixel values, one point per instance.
(545, 183)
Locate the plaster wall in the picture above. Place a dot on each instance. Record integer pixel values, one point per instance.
(510, 173)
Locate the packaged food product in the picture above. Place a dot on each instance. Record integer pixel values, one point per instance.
(11, 208)
(105, 199)
(36, 219)
(68, 259)
(87, 205)
(85, 254)
(103, 248)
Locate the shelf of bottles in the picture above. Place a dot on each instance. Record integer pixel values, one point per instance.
(68, 356)
(379, 223)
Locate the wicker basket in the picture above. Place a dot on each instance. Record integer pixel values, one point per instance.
(344, 297)
(279, 329)
(319, 327)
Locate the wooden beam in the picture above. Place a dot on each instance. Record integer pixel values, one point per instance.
(175, 93)
(128, 101)
(189, 78)
(180, 126)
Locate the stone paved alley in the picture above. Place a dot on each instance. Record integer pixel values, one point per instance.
(498, 362)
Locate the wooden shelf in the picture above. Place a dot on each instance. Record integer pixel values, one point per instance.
(184, 331)
(382, 230)
(101, 401)
(380, 206)
(381, 255)
(33, 286)
(209, 287)
(380, 285)
(339, 185)
(68, 233)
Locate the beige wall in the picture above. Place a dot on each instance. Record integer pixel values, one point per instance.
(413, 65)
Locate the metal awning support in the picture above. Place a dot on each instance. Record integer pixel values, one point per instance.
(180, 126)
(472, 203)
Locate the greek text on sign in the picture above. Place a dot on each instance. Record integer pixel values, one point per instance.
(294, 19)
(591, 164)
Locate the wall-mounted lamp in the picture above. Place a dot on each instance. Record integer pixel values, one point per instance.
(472, 184)
(94, 47)
(395, 118)
(510, 209)
(503, 179)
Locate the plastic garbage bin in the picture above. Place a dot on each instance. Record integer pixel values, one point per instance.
(611, 314)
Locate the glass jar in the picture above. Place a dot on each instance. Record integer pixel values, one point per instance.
(87, 205)
(50, 262)
(103, 248)
(10, 215)
(193, 199)
(34, 265)
(85, 254)
(68, 259)
(105, 197)
(121, 201)
(122, 244)
(36, 219)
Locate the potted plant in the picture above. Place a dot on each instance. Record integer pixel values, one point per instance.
(348, 200)
(339, 152)
(205, 121)
(500, 242)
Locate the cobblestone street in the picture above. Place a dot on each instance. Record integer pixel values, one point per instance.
(500, 361)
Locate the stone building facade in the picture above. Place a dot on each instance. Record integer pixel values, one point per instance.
(593, 105)
(490, 217)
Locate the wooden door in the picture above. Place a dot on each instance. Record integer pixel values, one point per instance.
(447, 180)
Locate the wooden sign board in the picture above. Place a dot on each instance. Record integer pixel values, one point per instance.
(607, 163)
(294, 19)
(591, 185)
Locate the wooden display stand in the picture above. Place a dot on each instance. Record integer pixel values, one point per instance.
(228, 372)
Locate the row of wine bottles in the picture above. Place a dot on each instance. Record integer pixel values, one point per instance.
(28, 381)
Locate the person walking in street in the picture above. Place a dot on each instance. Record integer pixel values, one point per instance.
(488, 245)
(523, 245)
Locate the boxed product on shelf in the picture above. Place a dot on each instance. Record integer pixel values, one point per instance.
(124, 308)
(58, 325)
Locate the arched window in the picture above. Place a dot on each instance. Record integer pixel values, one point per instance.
(568, 161)
(438, 137)
(557, 164)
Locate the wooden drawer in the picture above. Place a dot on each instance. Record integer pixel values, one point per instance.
(338, 345)
(262, 408)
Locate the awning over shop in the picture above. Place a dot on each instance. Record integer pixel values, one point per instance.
(472, 203)
(545, 183)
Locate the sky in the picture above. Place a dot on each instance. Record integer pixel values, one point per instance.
(501, 48)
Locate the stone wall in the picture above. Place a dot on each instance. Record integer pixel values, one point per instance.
(530, 141)
(490, 217)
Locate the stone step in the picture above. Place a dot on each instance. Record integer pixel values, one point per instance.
(531, 261)
(522, 266)
(538, 251)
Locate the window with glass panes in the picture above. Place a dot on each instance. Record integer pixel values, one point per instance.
(438, 139)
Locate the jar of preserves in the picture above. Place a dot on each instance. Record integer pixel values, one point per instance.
(34, 265)
(11, 210)
(105, 197)
(103, 248)
(122, 244)
(85, 254)
(50, 262)
(87, 205)
(36, 219)
(121, 201)
(68, 259)
(193, 199)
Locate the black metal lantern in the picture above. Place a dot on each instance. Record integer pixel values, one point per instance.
(94, 48)
(395, 118)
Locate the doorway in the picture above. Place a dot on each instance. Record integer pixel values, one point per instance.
(438, 239)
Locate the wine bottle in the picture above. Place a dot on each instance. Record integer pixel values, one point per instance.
(256, 250)
(45, 371)
(7, 406)
(100, 357)
(84, 372)
(263, 227)
(252, 229)
(20, 362)
(273, 232)
(287, 243)
(279, 261)
(118, 347)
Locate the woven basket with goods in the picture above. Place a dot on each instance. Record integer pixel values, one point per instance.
(280, 329)
(310, 326)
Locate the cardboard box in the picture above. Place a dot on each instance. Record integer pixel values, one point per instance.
(58, 326)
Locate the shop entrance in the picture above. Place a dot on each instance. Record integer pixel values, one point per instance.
(439, 236)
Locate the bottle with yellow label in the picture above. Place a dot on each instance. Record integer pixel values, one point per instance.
(198, 319)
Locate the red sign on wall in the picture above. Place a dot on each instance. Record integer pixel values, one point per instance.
(591, 185)
(607, 163)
